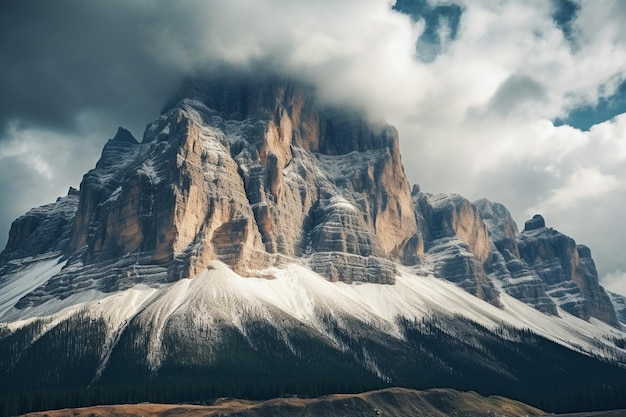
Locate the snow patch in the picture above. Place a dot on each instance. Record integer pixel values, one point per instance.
(15, 286)
(147, 169)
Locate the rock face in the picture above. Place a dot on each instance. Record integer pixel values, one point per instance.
(505, 267)
(255, 172)
(42, 229)
(567, 271)
(478, 247)
(244, 172)
(455, 241)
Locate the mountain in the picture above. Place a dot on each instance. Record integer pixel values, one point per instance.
(258, 243)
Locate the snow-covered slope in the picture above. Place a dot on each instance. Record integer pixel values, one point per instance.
(25, 280)
(292, 296)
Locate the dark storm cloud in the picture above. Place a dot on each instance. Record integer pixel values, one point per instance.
(63, 59)
(71, 72)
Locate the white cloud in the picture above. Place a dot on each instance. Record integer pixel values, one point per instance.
(615, 282)
(582, 184)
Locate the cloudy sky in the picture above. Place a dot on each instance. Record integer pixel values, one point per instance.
(522, 102)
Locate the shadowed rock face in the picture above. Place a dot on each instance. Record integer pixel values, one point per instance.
(537, 222)
(514, 276)
(567, 270)
(42, 229)
(544, 268)
(477, 246)
(619, 302)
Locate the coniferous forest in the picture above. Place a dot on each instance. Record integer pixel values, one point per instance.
(61, 368)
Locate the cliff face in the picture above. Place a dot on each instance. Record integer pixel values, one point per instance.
(566, 270)
(256, 173)
(42, 230)
(619, 302)
(505, 267)
(266, 172)
(455, 242)
(246, 173)
(477, 246)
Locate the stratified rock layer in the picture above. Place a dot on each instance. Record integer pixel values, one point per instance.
(41, 230)
(505, 267)
(255, 172)
(455, 241)
(567, 271)
(243, 172)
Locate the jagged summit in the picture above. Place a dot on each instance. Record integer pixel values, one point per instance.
(253, 225)
(124, 135)
(537, 222)
(567, 271)
(247, 173)
(315, 127)
(255, 173)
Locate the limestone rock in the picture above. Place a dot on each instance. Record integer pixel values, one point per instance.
(455, 241)
(500, 225)
(42, 229)
(505, 268)
(341, 266)
(101, 185)
(247, 173)
(567, 270)
(317, 180)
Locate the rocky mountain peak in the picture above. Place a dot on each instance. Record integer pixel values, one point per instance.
(294, 114)
(296, 160)
(246, 172)
(456, 241)
(124, 135)
(254, 173)
(537, 222)
(210, 246)
(567, 271)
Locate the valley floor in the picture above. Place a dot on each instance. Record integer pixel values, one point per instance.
(612, 413)
(392, 402)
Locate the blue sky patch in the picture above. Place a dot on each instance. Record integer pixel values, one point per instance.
(607, 108)
(430, 43)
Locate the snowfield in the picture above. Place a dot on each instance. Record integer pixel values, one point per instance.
(287, 296)
(25, 280)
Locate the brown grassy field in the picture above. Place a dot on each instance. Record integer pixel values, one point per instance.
(393, 402)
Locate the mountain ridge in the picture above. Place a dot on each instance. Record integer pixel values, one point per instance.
(253, 225)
